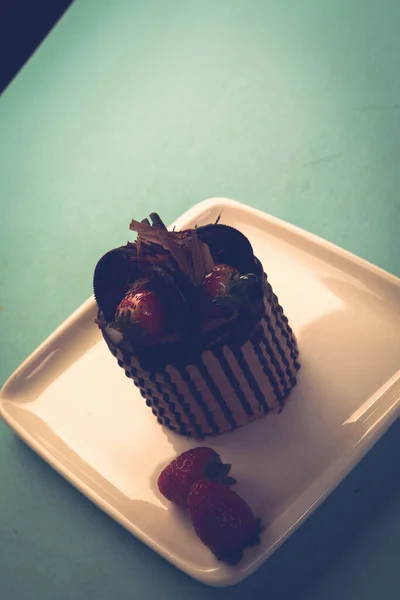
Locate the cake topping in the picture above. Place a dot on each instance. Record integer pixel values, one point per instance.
(113, 276)
(192, 256)
(141, 307)
(216, 290)
(228, 246)
(171, 284)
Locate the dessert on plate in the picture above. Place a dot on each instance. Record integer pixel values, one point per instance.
(192, 319)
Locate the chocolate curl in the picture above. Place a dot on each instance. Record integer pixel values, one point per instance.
(167, 240)
(201, 258)
(157, 221)
(192, 256)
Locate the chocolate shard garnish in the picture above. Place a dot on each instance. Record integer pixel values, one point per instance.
(202, 260)
(157, 221)
(192, 256)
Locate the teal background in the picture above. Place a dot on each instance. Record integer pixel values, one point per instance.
(292, 107)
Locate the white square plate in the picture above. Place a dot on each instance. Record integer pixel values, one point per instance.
(72, 403)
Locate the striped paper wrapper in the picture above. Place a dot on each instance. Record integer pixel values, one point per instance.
(226, 386)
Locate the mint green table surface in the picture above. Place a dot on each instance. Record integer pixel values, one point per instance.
(292, 107)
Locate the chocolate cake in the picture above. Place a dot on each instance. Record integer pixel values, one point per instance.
(192, 319)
